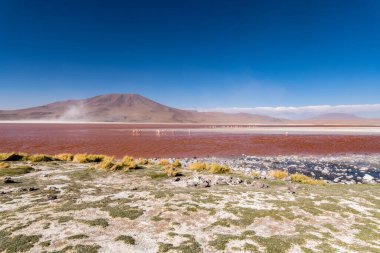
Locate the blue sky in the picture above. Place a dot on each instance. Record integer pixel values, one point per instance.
(191, 54)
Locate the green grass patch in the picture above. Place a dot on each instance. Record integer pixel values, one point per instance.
(124, 211)
(188, 246)
(126, 239)
(17, 243)
(20, 170)
(77, 237)
(97, 222)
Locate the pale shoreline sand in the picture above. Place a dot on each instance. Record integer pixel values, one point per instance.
(333, 129)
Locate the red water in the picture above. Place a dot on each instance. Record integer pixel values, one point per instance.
(121, 139)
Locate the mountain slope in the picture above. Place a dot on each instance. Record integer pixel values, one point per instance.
(126, 108)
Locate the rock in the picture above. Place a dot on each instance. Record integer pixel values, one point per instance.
(220, 181)
(363, 169)
(52, 197)
(236, 181)
(22, 189)
(204, 184)
(134, 188)
(247, 182)
(260, 185)
(191, 184)
(32, 189)
(368, 179)
(325, 171)
(9, 180)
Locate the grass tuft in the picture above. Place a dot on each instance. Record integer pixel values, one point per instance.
(126, 239)
(4, 165)
(299, 178)
(20, 170)
(212, 168)
(163, 162)
(177, 164)
(77, 237)
(86, 158)
(172, 171)
(12, 157)
(65, 157)
(279, 174)
(39, 158)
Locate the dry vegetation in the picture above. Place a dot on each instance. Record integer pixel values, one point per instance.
(303, 179)
(210, 167)
(279, 174)
(105, 209)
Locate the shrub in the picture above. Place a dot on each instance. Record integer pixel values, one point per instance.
(198, 166)
(142, 161)
(4, 165)
(255, 174)
(128, 163)
(126, 239)
(172, 171)
(212, 168)
(163, 162)
(65, 157)
(176, 164)
(303, 179)
(279, 174)
(39, 158)
(218, 168)
(127, 160)
(12, 157)
(85, 158)
(15, 171)
(107, 163)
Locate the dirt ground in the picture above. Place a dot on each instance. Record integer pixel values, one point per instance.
(69, 207)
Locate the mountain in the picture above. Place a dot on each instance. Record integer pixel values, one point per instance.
(130, 108)
(336, 116)
(339, 118)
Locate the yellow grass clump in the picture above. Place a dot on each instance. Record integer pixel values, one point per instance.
(255, 174)
(39, 158)
(4, 165)
(172, 171)
(107, 163)
(218, 168)
(212, 168)
(143, 161)
(279, 174)
(86, 158)
(127, 159)
(15, 171)
(163, 162)
(197, 166)
(176, 164)
(65, 157)
(303, 179)
(12, 156)
(129, 163)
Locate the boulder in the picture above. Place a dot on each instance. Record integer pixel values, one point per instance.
(368, 179)
(9, 180)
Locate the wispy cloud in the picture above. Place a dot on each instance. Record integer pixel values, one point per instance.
(293, 112)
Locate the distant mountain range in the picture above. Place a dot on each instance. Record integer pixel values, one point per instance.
(133, 108)
(130, 108)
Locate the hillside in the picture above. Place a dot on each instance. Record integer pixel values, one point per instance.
(131, 108)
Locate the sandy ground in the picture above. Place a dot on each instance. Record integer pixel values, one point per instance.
(77, 209)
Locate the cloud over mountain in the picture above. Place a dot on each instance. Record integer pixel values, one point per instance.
(303, 112)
